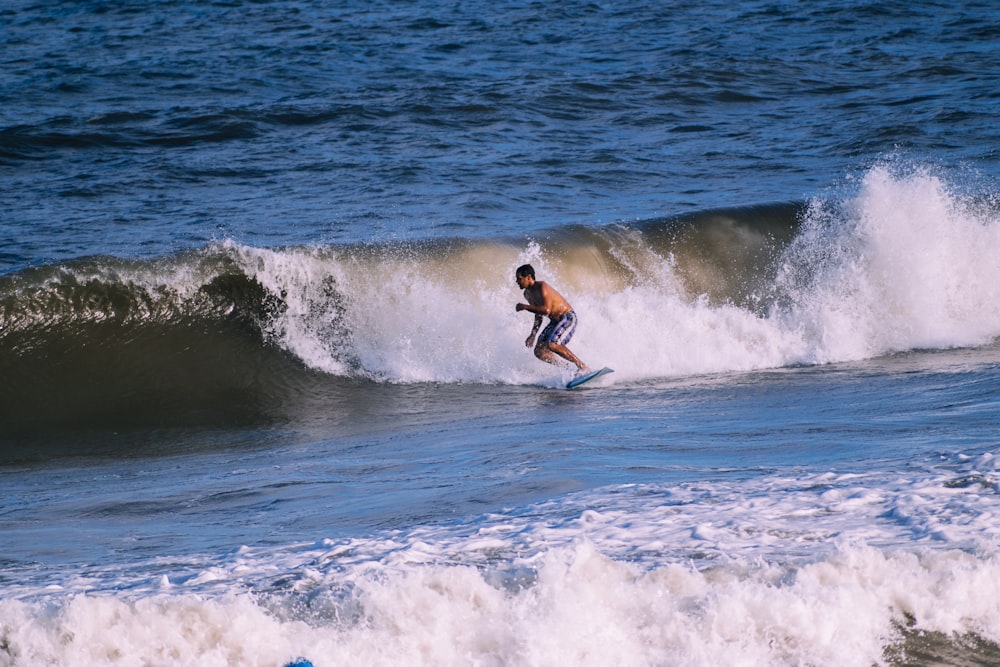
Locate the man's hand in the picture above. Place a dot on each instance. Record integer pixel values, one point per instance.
(529, 341)
(519, 307)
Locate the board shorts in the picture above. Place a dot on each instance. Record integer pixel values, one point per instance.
(559, 331)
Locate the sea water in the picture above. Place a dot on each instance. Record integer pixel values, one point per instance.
(265, 393)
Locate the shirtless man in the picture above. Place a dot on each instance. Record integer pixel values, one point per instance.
(544, 300)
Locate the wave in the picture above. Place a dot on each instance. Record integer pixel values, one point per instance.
(161, 342)
(858, 607)
(818, 568)
(133, 130)
(902, 262)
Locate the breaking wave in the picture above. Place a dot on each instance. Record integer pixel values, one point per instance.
(231, 331)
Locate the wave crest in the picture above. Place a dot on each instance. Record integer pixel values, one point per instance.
(901, 263)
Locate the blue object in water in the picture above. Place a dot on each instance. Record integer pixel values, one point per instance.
(587, 377)
(299, 662)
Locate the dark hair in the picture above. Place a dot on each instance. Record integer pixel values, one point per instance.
(525, 270)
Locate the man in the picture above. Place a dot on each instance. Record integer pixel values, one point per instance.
(543, 299)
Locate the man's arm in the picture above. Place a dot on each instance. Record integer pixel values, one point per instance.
(539, 298)
(530, 340)
(537, 310)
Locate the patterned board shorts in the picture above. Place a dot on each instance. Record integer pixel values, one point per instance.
(559, 331)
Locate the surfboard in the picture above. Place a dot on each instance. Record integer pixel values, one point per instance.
(587, 377)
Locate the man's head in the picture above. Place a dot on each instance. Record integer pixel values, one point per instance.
(524, 276)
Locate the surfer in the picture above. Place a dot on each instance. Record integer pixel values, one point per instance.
(543, 299)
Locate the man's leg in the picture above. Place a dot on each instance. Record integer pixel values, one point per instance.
(545, 347)
(543, 352)
(565, 353)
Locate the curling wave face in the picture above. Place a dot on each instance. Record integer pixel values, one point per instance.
(233, 332)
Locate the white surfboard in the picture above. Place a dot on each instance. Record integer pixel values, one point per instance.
(587, 377)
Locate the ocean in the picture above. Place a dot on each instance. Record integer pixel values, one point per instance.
(265, 394)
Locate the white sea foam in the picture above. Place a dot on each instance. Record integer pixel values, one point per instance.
(823, 568)
(901, 263)
(580, 608)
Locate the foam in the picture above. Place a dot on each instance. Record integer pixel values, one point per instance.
(905, 263)
(583, 608)
(900, 263)
(817, 568)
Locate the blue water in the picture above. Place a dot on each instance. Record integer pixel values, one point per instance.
(266, 393)
(297, 122)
